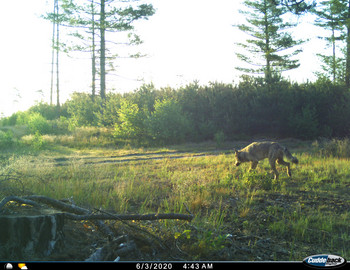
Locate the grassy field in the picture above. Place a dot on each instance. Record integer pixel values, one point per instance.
(239, 215)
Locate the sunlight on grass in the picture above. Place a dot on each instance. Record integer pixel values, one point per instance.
(228, 202)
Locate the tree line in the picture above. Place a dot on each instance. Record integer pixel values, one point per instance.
(195, 113)
(269, 50)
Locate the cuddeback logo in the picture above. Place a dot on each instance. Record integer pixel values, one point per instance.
(324, 261)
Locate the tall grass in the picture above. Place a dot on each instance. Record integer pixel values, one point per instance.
(333, 148)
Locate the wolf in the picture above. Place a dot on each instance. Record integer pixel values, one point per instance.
(257, 151)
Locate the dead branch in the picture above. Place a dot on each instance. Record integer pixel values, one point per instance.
(34, 199)
(59, 205)
(19, 200)
(78, 213)
(130, 217)
(137, 228)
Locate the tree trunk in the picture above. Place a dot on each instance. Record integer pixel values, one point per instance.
(347, 71)
(30, 237)
(334, 59)
(53, 50)
(103, 51)
(267, 46)
(93, 67)
(57, 62)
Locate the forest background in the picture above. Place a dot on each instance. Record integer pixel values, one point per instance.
(262, 104)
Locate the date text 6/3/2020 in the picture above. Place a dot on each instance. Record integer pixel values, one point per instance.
(171, 266)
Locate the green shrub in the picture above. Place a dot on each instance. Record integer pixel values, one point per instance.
(38, 124)
(60, 126)
(6, 139)
(22, 118)
(49, 112)
(248, 109)
(333, 148)
(304, 124)
(83, 109)
(38, 142)
(168, 124)
(130, 123)
(108, 115)
(9, 121)
(219, 138)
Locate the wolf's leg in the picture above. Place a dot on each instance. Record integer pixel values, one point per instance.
(273, 167)
(253, 165)
(287, 164)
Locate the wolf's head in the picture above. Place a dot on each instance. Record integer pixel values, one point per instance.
(238, 158)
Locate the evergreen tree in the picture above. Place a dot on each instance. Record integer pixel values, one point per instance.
(99, 18)
(329, 18)
(269, 51)
(344, 13)
(339, 10)
(297, 6)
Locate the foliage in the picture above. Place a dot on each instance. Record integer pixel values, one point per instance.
(219, 138)
(330, 17)
(168, 124)
(298, 6)
(108, 114)
(304, 124)
(195, 113)
(6, 139)
(85, 20)
(333, 15)
(38, 124)
(82, 109)
(266, 52)
(130, 123)
(333, 148)
(37, 141)
(9, 121)
(49, 112)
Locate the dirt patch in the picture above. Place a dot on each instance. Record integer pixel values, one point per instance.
(95, 160)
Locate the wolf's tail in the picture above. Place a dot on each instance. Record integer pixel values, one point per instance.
(289, 156)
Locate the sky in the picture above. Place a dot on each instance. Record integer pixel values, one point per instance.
(185, 40)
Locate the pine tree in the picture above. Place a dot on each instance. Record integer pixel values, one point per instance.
(344, 10)
(341, 19)
(297, 6)
(269, 51)
(329, 18)
(112, 16)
